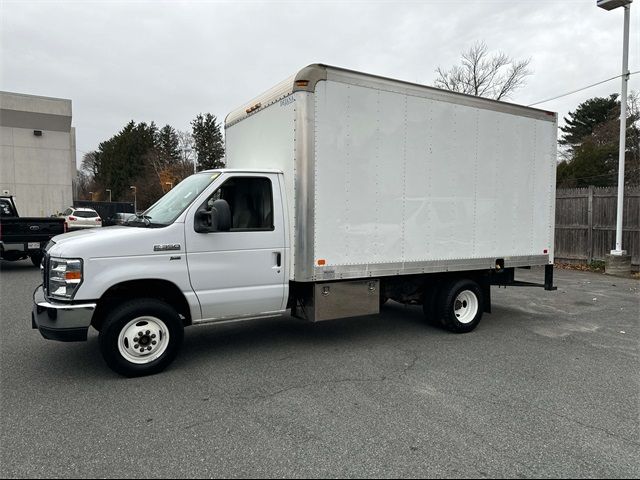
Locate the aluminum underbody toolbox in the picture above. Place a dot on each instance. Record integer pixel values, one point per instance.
(333, 300)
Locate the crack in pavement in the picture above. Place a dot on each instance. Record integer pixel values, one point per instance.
(376, 379)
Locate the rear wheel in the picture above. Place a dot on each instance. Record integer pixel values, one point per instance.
(460, 305)
(141, 337)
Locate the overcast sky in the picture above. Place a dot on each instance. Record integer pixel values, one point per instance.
(166, 61)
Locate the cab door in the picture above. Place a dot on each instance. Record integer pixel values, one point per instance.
(240, 272)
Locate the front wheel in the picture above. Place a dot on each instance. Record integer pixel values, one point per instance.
(460, 306)
(141, 337)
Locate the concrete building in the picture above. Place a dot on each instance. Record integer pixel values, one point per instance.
(37, 153)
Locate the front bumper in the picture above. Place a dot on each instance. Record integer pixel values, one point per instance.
(61, 321)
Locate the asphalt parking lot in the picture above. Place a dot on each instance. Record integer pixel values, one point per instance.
(547, 386)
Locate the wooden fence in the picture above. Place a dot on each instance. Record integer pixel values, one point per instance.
(586, 223)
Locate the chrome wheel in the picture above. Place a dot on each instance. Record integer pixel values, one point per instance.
(466, 306)
(143, 340)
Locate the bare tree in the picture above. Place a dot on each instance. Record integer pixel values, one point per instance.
(186, 145)
(90, 164)
(483, 74)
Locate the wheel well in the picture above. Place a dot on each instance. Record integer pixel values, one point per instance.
(148, 288)
(414, 289)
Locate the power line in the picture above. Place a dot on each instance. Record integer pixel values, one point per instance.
(581, 89)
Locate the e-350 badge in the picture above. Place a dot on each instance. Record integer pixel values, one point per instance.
(164, 247)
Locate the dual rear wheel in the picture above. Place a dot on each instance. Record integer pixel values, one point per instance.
(457, 305)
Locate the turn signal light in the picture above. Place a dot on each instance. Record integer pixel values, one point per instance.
(73, 275)
(322, 262)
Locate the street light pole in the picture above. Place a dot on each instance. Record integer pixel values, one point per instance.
(618, 262)
(623, 131)
(135, 198)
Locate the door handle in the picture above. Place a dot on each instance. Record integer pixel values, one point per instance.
(278, 259)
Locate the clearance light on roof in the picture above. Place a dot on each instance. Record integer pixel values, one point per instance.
(254, 108)
(302, 83)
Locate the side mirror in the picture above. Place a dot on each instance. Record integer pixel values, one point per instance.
(220, 216)
(218, 219)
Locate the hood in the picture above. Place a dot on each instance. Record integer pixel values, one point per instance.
(117, 241)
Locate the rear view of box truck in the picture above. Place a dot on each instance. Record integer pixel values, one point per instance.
(401, 191)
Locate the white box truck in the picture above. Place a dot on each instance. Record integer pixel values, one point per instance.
(343, 190)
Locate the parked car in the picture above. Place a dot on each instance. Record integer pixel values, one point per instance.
(22, 237)
(79, 218)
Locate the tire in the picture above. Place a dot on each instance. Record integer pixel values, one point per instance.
(36, 259)
(146, 324)
(460, 306)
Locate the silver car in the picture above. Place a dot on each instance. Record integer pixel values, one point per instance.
(78, 218)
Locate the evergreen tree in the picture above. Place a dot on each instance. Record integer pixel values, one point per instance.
(168, 144)
(208, 141)
(586, 117)
(591, 135)
(122, 158)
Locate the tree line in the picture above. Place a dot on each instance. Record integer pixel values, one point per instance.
(149, 158)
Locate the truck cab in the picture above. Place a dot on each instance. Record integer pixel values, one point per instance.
(215, 248)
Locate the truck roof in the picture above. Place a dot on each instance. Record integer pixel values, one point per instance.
(307, 78)
(242, 170)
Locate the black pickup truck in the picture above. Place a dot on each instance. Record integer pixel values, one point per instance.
(22, 237)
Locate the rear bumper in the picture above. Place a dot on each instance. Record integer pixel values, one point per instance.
(58, 321)
(23, 246)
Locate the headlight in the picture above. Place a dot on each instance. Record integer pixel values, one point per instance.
(65, 276)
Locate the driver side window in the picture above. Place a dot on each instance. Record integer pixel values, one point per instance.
(250, 201)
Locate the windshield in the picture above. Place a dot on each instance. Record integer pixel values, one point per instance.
(169, 207)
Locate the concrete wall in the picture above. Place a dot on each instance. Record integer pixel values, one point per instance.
(37, 170)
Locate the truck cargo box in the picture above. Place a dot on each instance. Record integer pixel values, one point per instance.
(385, 177)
